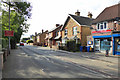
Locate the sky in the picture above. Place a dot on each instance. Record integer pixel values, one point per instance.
(47, 13)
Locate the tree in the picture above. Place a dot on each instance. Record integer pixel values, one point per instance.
(20, 13)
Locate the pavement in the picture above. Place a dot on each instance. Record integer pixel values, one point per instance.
(94, 55)
(43, 62)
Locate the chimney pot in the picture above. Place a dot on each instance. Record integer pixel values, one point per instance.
(35, 33)
(57, 25)
(42, 30)
(90, 15)
(77, 13)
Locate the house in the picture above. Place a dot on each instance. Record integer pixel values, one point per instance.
(77, 28)
(106, 30)
(42, 37)
(39, 39)
(53, 37)
(35, 39)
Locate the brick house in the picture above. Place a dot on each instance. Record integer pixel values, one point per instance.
(106, 30)
(77, 27)
(35, 39)
(39, 39)
(53, 37)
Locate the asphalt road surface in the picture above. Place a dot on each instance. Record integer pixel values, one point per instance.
(35, 62)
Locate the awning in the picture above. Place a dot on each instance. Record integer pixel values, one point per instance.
(58, 37)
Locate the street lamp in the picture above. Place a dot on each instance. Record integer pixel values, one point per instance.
(9, 27)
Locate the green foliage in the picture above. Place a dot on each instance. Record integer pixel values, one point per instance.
(23, 41)
(71, 45)
(29, 41)
(4, 42)
(19, 15)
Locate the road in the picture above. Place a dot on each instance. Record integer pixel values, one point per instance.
(36, 62)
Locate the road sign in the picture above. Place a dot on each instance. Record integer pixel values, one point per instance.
(8, 33)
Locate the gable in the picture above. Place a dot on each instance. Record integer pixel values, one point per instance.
(71, 23)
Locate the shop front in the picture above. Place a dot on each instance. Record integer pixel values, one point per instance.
(107, 42)
(102, 43)
(116, 44)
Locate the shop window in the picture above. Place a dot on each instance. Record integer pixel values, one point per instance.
(117, 44)
(105, 44)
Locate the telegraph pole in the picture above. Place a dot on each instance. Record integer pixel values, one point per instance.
(9, 27)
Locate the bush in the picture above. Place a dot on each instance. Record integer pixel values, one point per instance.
(77, 46)
(4, 42)
(29, 41)
(71, 45)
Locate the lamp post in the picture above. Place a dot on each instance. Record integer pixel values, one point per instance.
(9, 27)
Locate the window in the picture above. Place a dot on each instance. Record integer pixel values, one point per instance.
(105, 25)
(74, 30)
(66, 31)
(102, 26)
(98, 27)
(56, 33)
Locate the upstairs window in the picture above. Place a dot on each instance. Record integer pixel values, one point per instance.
(105, 25)
(66, 31)
(56, 33)
(102, 26)
(74, 30)
(98, 26)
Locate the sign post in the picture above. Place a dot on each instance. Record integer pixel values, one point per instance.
(8, 33)
(9, 27)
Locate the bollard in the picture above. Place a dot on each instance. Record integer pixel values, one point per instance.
(1, 60)
(4, 54)
(107, 53)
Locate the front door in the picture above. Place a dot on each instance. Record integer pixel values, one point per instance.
(117, 46)
(97, 44)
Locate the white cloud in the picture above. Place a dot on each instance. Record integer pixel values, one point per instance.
(47, 13)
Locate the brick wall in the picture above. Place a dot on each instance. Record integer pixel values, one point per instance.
(84, 30)
(42, 37)
(71, 23)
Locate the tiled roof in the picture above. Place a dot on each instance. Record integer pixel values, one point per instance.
(108, 13)
(55, 28)
(82, 20)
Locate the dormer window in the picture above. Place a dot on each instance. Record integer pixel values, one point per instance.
(102, 26)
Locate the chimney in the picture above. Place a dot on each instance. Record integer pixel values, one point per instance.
(89, 15)
(42, 30)
(57, 25)
(46, 31)
(77, 13)
(35, 33)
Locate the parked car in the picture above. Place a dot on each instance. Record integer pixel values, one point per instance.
(21, 44)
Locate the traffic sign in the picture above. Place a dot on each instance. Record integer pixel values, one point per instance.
(8, 33)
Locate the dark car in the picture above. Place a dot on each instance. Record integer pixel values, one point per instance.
(21, 44)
